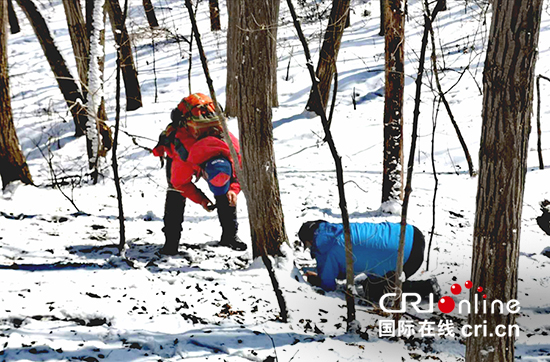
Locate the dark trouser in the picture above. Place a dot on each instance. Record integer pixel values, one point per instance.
(174, 208)
(416, 258)
(228, 219)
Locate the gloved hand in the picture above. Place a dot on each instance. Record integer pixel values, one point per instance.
(313, 278)
(207, 205)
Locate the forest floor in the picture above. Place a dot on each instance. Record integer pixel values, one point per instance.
(67, 295)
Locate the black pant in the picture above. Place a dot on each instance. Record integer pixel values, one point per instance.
(416, 257)
(174, 208)
(228, 219)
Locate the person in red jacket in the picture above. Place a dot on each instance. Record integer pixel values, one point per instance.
(184, 162)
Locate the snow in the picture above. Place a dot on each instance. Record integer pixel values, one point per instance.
(67, 296)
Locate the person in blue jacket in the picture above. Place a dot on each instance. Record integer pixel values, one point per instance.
(375, 248)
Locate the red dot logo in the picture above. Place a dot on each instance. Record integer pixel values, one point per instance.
(484, 296)
(456, 289)
(468, 284)
(479, 289)
(446, 304)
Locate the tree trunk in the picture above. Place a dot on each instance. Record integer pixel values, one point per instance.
(129, 73)
(215, 24)
(255, 126)
(63, 76)
(94, 22)
(102, 112)
(329, 53)
(150, 13)
(79, 40)
(233, 56)
(13, 166)
(14, 23)
(508, 80)
(392, 182)
(234, 49)
(274, 28)
(382, 17)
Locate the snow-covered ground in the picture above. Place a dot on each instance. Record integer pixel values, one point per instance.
(65, 295)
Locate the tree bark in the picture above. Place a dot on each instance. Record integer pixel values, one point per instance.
(539, 132)
(382, 17)
(255, 73)
(129, 73)
(215, 24)
(392, 182)
(150, 13)
(14, 23)
(79, 40)
(63, 76)
(508, 81)
(233, 55)
(13, 166)
(234, 49)
(274, 28)
(329, 54)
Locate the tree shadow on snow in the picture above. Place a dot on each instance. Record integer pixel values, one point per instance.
(244, 342)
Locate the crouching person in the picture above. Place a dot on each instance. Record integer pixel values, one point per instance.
(374, 249)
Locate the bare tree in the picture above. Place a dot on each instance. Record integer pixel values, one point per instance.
(234, 50)
(265, 258)
(14, 23)
(350, 300)
(539, 132)
(508, 82)
(129, 73)
(329, 53)
(382, 31)
(63, 76)
(428, 20)
(94, 17)
(122, 228)
(150, 13)
(79, 40)
(255, 128)
(392, 182)
(13, 166)
(215, 24)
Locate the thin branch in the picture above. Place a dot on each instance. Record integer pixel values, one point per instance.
(333, 103)
(436, 180)
(122, 229)
(539, 132)
(447, 106)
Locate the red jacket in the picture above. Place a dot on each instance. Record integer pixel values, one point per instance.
(210, 147)
(178, 145)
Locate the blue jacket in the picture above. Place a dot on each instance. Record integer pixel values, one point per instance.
(374, 249)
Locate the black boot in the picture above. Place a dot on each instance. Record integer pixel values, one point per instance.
(173, 218)
(228, 220)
